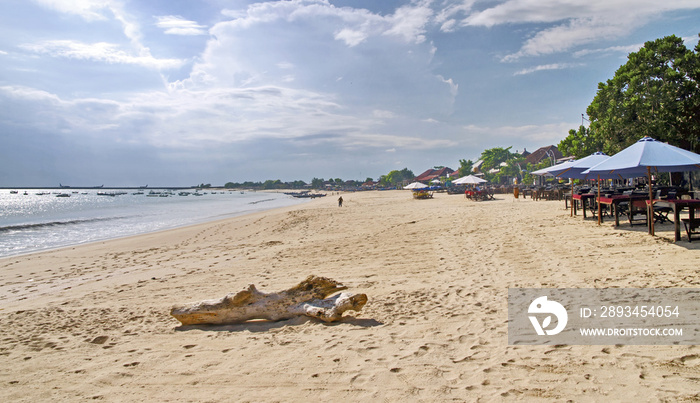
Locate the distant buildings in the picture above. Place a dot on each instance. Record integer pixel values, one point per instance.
(432, 174)
(549, 152)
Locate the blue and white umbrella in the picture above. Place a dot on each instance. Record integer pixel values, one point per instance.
(548, 171)
(575, 169)
(642, 157)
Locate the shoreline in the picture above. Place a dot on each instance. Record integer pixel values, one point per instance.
(94, 323)
(201, 220)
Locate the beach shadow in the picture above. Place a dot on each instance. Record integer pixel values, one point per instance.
(664, 232)
(259, 326)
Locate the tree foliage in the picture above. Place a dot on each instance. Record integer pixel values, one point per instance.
(396, 177)
(465, 167)
(580, 143)
(493, 157)
(656, 94)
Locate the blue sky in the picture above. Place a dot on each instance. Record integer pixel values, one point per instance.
(179, 92)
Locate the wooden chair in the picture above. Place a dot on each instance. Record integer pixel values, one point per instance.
(637, 208)
(691, 227)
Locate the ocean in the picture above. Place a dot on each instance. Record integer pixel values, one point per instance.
(37, 219)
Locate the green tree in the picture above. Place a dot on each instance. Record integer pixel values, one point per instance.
(580, 143)
(317, 183)
(397, 177)
(493, 157)
(465, 167)
(272, 184)
(656, 93)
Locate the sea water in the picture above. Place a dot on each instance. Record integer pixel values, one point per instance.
(37, 219)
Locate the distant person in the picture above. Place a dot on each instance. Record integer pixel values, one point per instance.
(340, 201)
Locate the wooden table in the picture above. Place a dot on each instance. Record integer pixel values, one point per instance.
(678, 206)
(583, 198)
(614, 200)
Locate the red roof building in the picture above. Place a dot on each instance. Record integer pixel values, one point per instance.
(431, 174)
(542, 153)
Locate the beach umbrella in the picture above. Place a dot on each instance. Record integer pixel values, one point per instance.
(548, 171)
(415, 185)
(642, 157)
(575, 169)
(469, 179)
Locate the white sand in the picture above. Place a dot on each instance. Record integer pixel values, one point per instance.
(92, 322)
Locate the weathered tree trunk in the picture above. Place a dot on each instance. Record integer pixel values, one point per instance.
(306, 298)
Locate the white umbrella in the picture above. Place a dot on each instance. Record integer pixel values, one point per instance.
(469, 179)
(415, 185)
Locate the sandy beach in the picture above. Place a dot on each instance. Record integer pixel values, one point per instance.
(92, 322)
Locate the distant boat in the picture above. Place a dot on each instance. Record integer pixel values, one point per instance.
(63, 195)
(13, 192)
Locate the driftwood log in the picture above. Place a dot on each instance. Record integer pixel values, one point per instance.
(306, 298)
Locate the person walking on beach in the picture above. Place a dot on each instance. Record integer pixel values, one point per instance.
(340, 201)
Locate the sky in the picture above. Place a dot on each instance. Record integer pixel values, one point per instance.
(182, 92)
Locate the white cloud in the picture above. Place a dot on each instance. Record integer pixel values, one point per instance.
(574, 33)
(544, 134)
(447, 17)
(690, 42)
(2, 52)
(177, 25)
(554, 66)
(611, 49)
(285, 65)
(100, 52)
(90, 10)
(351, 26)
(576, 23)
(409, 22)
(351, 37)
(382, 114)
(104, 10)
